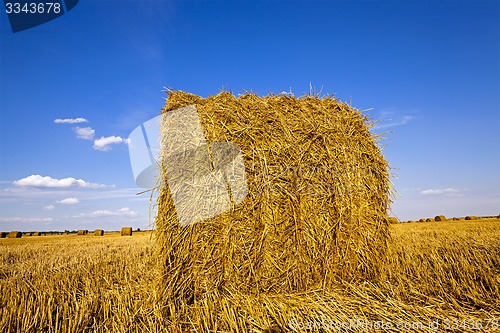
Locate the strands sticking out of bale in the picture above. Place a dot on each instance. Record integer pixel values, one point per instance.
(470, 218)
(82, 232)
(3, 234)
(440, 218)
(126, 231)
(315, 212)
(15, 234)
(99, 232)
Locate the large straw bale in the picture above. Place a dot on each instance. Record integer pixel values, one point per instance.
(15, 234)
(316, 208)
(440, 218)
(3, 234)
(126, 231)
(82, 232)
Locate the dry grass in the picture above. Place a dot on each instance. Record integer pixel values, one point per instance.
(437, 272)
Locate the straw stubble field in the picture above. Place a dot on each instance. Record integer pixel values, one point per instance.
(445, 274)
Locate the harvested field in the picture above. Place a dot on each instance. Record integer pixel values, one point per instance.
(437, 272)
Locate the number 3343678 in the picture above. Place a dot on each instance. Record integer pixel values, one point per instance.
(33, 8)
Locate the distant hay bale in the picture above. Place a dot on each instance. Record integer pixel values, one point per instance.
(456, 219)
(3, 234)
(82, 232)
(470, 218)
(421, 220)
(99, 232)
(393, 220)
(37, 233)
(440, 218)
(316, 207)
(15, 234)
(126, 231)
(428, 220)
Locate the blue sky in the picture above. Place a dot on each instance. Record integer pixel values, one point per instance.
(429, 71)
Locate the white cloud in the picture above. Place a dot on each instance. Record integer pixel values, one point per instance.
(69, 201)
(103, 142)
(102, 213)
(49, 207)
(85, 133)
(71, 121)
(440, 191)
(46, 181)
(26, 219)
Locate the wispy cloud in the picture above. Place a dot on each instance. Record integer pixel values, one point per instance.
(49, 207)
(71, 121)
(69, 201)
(393, 122)
(103, 143)
(441, 191)
(86, 133)
(49, 182)
(26, 219)
(106, 213)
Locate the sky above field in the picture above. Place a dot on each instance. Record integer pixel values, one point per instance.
(73, 89)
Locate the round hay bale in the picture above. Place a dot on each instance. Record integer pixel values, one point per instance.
(428, 220)
(393, 220)
(470, 218)
(15, 234)
(99, 232)
(315, 210)
(456, 219)
(440, 218)
(126, 231)
(3, 234)
(82, 232)
(421, 220)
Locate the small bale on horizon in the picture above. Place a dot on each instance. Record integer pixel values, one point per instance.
(82, 232)
(421, 220)
(393, 220)
(428, 220)
(470, 218)
(456, 219)
(99, 232)
(15, 234)
(440, 218)
(126, 231)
